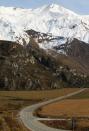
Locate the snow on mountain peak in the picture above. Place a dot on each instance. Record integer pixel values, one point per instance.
(54, 8)
(59, 9)
(53, 19)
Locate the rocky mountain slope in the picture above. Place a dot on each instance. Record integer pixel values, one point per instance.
(43, 48)
(32, 68)
(63, 48)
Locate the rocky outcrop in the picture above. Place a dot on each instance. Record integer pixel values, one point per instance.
(31, 68)
(23, 68)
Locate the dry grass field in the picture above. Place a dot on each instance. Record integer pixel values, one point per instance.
(82, 95)
(75, 107)
(11, 102)
(35, 95)
(81, 125)
(67, 109)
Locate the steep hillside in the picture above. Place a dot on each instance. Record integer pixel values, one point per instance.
(43, 48)
(28, 68)
(73, 53)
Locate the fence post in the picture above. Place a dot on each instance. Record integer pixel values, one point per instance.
(73, 124)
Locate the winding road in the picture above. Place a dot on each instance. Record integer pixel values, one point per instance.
(32, 122)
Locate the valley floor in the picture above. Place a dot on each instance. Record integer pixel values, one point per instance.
(11, 102)
(73, 108)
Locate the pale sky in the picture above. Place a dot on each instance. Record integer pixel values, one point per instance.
(78, 6)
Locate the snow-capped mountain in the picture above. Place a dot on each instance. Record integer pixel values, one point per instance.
(54, 19)
(56, 51)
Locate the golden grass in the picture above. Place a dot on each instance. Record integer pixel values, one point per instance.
(67, 108)
(81, 124)
(82, 95)
(13, 101)
(34, 95)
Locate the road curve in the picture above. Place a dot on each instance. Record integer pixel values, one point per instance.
(31, 121)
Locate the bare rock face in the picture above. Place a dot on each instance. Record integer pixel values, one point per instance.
(73, 53)
(23, 68)
(80, 51)
(32, 68)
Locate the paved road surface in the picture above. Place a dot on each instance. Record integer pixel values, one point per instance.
(31, 121)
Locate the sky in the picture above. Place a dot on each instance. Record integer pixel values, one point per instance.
(78, 6)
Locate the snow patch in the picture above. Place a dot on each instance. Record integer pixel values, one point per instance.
(53, 19)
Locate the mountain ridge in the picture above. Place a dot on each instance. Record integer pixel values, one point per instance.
(52, 19)
(44, 48)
